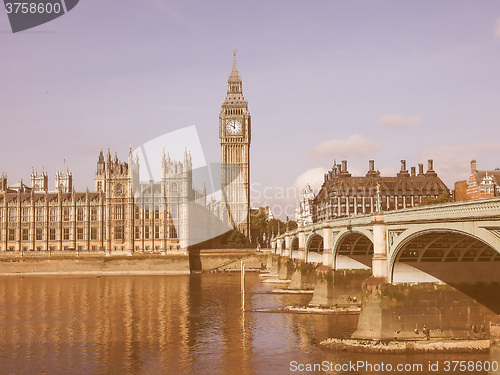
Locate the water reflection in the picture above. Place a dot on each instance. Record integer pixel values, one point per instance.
(163, 325)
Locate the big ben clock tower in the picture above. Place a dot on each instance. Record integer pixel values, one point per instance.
(234, 133)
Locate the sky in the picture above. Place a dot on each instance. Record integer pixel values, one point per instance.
(324, 80)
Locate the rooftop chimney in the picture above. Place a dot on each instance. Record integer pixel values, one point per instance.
(371, 165)
(430, 163)
(344, 166)
(420, 169)
(413, 171)
(403, 165)
(473, 166)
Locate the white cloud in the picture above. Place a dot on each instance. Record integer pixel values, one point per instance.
(314, 177)
(398, 120)
(496, 28)
(354, 146)
(452, 163)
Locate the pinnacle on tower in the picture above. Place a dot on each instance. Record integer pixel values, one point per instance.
(234, 76)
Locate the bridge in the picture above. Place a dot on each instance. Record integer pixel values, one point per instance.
(456, 244)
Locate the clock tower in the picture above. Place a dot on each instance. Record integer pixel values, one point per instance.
(234, 134)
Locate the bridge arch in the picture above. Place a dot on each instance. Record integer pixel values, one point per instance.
(444, 246)
(353, 249)
(465, 260)
(314, 248)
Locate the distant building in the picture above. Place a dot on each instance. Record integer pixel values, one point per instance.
(481, 184)
(303, 212)
(344, 195)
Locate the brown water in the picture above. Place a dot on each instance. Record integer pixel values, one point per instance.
(170, 325)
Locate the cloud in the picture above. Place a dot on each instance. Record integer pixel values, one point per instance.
(496, 28)
(452, 163)
(354, 146)
(314, 177)
(398, 120)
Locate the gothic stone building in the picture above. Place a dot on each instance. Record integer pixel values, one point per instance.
(124, 214)
(120, 215)
(344, 195)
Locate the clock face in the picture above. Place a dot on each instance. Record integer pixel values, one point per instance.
(234, 127)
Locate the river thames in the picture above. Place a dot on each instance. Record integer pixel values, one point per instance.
(173, 325)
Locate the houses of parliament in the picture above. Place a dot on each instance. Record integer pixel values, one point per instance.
(124, 214)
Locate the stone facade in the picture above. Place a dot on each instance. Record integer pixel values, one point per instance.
(121, 215)
(235, 135)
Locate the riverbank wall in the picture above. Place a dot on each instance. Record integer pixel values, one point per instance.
(125, 263)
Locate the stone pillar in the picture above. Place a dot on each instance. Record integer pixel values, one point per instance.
(379, 260)
(419, 312)
(340, 288)
(288, 251)
(495, 344)
(327, 245)
(303, 277)
(302, 245)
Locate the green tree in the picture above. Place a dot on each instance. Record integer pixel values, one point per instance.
(236, 238)
(443, 198)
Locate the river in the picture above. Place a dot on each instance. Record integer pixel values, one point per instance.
(175, 325)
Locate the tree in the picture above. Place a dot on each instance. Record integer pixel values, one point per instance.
(236, 238)
(443, 198)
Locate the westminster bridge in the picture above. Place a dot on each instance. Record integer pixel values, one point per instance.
(425, 269)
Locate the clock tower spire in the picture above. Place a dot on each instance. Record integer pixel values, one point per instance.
(234, 134)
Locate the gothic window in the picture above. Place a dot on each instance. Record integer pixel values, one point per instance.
(66, 213)
(118, 233)
(79, 214)
(157, 214)
(146, 214)
(53, 214)
(99, 186)
(52, 234)
(137, 233)
(66, 234)
(39, 214)
(39, 234)
(79, 233)
(157, 232)
(26, 215)
(12, 215)
(118, 213)
(137, 213)
(26, 234)
(93, 214)
(93, 233)
(146, 233)
(12, 234)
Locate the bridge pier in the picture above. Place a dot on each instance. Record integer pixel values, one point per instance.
(340, 288)
(273, 262)
(419, 312)
(304, 276)
(495, 345)
(286, 268)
